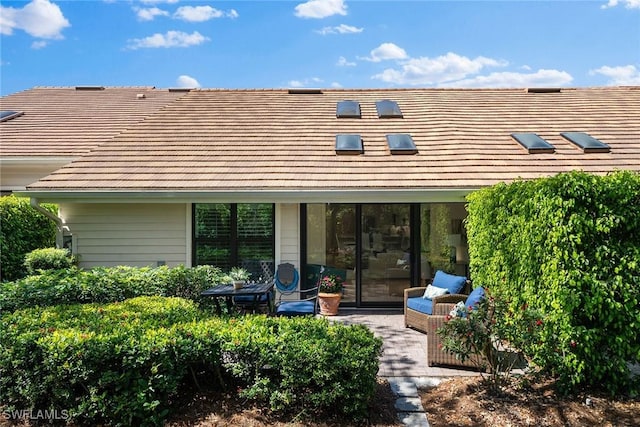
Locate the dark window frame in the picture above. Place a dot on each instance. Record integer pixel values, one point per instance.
(234, 256)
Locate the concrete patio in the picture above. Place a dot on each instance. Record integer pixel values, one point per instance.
(404, 350)
(403, 362)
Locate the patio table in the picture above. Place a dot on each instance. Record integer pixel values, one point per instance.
(228, 292)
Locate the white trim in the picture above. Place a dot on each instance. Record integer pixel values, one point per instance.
(277, 229)
(25, 161)
(257, 196)
(188, 244)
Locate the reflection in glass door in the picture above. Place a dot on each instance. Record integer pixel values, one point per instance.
(385, 252)
(331, 242)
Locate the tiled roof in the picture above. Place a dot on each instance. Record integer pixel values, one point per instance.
(232, 140)
(65, 122)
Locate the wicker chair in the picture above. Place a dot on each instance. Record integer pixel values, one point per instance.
(436, 355)
(442, 305)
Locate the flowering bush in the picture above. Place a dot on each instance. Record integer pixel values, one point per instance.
(487, 338)
(331, 284)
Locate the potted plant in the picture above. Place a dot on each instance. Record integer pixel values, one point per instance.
(330, 294)
(239, 276)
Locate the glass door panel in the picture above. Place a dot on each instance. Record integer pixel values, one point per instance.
(386, 252)
(331, 241)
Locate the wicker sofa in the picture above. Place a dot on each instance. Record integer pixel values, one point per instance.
(417, 311)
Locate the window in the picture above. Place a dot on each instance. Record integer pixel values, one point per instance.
(348, 110)
(533, 143)
(349, 144)
(585, 141)
(229, 235)
(401, 143)
(6, 115)
(388, 109)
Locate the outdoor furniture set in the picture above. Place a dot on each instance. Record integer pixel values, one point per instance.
(426, 309)
(260, 297)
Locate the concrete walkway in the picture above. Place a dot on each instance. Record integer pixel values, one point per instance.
(404, 360)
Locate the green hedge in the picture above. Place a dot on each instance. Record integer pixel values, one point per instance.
(106, 284)
(125, 363)
(568, 247)
(304, 365)
(39, 260)
(23, 230)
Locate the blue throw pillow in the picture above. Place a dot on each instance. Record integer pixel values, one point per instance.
(452, 283)
(474, 297)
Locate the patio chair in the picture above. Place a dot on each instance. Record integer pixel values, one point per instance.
(287, 281)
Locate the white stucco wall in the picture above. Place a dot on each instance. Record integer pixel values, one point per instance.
(129, 234)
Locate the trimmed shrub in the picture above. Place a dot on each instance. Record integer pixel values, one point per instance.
(23, 230)
(568, 248)
(124, 363)
(106, 284)
(117, 364)
(40, 260)
(304, 365)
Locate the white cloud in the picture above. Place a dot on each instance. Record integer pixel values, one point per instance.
(170, 39)
(321, 8)
(627, 75)
(187, 81)
(197, 13)
(40, 18)
(39, 44)
(340, 29)
(158, 1)
(305, 82)
(343, 62)
(432, 71)
(541, 78)
(386, 51)
(629, 4)
(149, 14)
(336, 85)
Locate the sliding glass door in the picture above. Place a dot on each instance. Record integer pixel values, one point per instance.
(385, 254)
(385, 248)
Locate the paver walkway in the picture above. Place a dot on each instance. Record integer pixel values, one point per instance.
(404, 360)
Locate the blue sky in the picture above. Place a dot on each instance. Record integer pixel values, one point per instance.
(319, 43)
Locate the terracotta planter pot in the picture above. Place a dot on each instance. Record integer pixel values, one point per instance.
(238, 284)
(329, 303)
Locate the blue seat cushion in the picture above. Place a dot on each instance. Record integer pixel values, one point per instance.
(296, 308)
(420, 304)
(249, 299)
(452, 283)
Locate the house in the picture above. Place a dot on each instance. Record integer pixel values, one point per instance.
(372, 181)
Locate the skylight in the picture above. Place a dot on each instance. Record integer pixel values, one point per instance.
(544, 90)
(348, 110)
(585, 141)
(388, 109)
(401, 143)
(89, 87)
(349, 144)
(533, 143)
(6, 115)
(304, 91)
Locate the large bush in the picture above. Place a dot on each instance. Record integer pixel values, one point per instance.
(106, 284)
(23, 230)
(568, 247)
(125, 363)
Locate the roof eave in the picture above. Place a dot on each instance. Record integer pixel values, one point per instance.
(255, 196)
